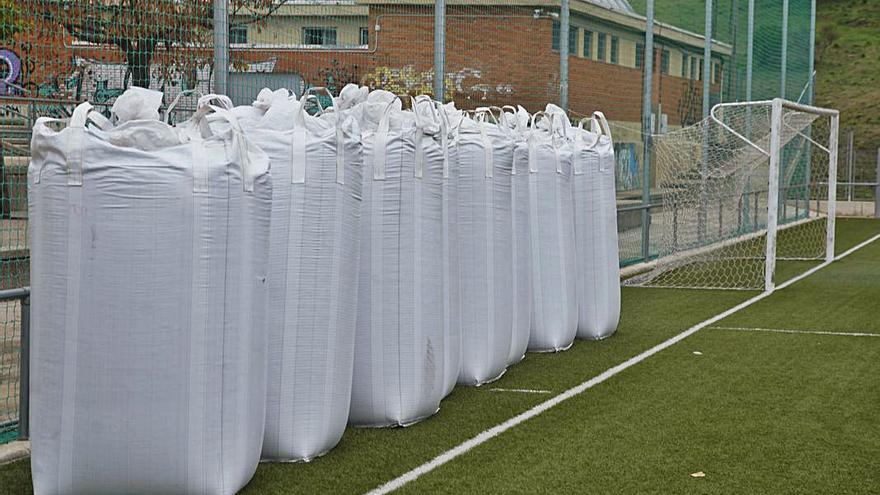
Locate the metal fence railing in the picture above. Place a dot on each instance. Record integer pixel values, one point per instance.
(14, 363)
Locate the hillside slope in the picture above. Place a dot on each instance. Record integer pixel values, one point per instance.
(847, 51)
(848, 65)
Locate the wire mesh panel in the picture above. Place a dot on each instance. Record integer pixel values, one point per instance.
(56, 53)
(10, 347)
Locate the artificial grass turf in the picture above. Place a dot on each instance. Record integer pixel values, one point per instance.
(757, 412)
(367, 458)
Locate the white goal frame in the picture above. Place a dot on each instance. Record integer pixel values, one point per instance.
(775, 152)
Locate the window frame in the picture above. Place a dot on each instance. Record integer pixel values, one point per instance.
(555, 35)
(614, 58)
(364, 35)
(587, 44)
(602, 47)
(238, 30)
(324, 30)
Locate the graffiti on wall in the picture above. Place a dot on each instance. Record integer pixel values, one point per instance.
(99, 81)
(10, 72)
(467, 82)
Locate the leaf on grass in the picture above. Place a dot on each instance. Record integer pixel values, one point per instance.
(698, 474)
(698, 353)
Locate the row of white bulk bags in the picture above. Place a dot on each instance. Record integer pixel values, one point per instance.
(549, 158)
(400, 354)
(316, 165)
(485, 160)
(595, 221)
(148, 327)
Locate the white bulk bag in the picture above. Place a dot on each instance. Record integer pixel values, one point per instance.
(485, 159)
(521, 246)
(313, 262)
(435, 122)
(554, 310)
(399, 366)
(148, 273)
(595, 222)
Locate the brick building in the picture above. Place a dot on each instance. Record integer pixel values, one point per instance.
(497, 52)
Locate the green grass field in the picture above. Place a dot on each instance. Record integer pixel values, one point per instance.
(756, 411)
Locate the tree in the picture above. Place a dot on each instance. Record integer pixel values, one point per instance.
(12, 20)
(183, 28)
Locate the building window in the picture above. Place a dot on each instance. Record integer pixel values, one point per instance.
(600, 47)
(640, 55)
(321, 36)
(588, 44)
(238, 35)
(572, 37)
(664, 62)
(694, 67)
(365, 36)
(684, 64)
(718, 74)
(615, 48)
(555, 43)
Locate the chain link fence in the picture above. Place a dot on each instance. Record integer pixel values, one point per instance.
(651, 67)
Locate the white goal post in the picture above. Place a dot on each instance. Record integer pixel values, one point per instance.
(753, 183)
(778, 105)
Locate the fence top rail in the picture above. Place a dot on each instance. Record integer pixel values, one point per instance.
(16, 293)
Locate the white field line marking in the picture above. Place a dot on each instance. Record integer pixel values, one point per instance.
(496, 430)
(521, 390)
(786, 330)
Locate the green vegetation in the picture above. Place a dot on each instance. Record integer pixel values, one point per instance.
(847, 51)
(848, 65)
(758, 413)
(12, 20)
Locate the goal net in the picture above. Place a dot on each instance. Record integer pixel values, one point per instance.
(752, 184)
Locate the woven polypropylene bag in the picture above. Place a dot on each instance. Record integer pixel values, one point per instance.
(313, 259)
(148, 327)
(517, 122)
(399, 353)
(595, 220)
(485, 160)
(551, 230)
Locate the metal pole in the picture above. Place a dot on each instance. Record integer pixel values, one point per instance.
(647, 103)
(877, 187)
(733, 73)
(707, 86)
(707, 59)
(439, 49)
(784, 61)
(563, 54)
(24, 371)
(812, 51)
(221, 45)
(750, 50)
(850, 161)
